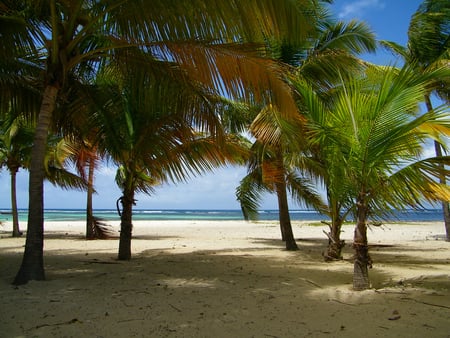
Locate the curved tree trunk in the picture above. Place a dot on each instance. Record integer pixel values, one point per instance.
(362, 258)
(442, 179)
(285, 219)
(90, 221)
(15, 213)
(32, 267)
(445, 204)
(126, 225)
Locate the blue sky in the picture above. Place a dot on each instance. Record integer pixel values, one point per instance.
(389, 19)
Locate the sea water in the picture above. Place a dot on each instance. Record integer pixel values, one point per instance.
(51, 215)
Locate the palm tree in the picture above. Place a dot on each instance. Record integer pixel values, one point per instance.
(331, 57)
(214, 43)
(374, 130)
(269, 170)
(153, 142)
(16, 141)
(320, 62)
(157, 132)
(429, 47)
(86, 158)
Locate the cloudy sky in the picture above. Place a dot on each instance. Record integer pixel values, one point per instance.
(389, 19)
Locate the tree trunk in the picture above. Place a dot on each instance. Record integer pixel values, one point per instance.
(442, 179)
(32, 267)
(362, 258)
(90, 221)
(446, 210)
(15, 213)
(445, 204)
(335, 244)
(126, 225)
(285, 219)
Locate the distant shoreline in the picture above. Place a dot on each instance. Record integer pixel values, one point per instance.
(64, 215)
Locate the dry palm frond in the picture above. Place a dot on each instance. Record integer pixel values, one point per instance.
(102, 230)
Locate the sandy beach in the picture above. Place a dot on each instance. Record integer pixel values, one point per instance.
(227, 279)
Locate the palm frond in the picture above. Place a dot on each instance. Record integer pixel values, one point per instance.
(304, 192)
(249, 194)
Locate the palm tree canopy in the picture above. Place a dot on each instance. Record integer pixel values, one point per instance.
(429, 32)
(206, 39)
(429, 43)
(156, 128)
(374, 130)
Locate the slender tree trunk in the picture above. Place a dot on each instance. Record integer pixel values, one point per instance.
(445, 204)
(335, 244)
(362, 258)
(446, 210)
(90, 222)
(32, 267)
(442, 179)
(285, 219)
(126, 225)
(15, 213)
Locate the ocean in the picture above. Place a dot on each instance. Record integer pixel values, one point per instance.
(428, 215)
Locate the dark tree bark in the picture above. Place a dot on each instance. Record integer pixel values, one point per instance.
(285, 219)
(32, 267)
(90, 220)
(15, 213)
(126, 225)
(362, 259)
(335, 244)
(446, 210)
(445, 204)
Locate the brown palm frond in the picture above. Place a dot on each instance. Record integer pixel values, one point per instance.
(102, 230)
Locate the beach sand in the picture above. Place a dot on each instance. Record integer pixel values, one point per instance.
(227, 279)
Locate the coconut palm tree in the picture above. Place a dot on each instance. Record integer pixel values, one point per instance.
(270, 170)
(333, 55)
(86, 159)
(157, 131)
(214, 43)
(377, 134)
(321, 60)
(429, 47)
(16, 140)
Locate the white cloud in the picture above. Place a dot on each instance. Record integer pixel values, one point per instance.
(359, 8)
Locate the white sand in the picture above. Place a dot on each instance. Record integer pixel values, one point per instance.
(227, 279)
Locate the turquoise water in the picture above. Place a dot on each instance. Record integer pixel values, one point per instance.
(303, 215)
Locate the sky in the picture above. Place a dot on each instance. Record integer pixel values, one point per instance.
(389, 19)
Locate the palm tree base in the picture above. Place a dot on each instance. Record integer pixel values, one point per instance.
(29, 271)
(291, 246)
(361, 267)
(334, 251)
(17, 234)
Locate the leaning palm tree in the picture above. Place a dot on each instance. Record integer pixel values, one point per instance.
(214, 43)
(429, 47)
(376, 132)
